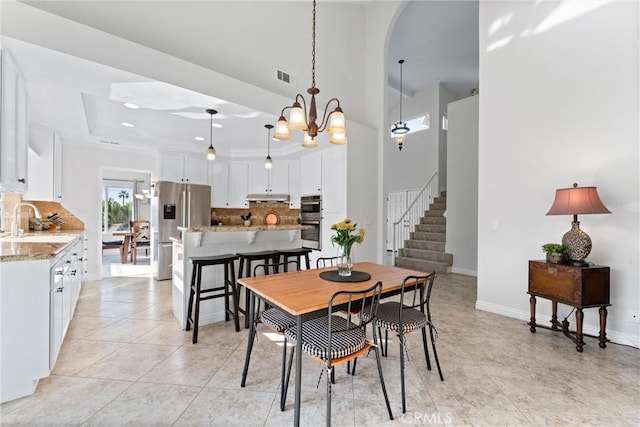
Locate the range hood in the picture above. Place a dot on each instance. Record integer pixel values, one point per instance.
(268, 198)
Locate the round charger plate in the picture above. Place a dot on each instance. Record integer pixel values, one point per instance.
(356, 276)
(272, 218)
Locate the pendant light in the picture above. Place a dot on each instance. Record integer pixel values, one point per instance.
(268, 163)
(333, 122)
(400, 128)
(211, 152)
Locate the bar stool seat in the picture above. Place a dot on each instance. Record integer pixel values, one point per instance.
(245, 270)
(227, 289)
(296, 253)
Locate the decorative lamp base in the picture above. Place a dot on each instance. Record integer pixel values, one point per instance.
(579, 244)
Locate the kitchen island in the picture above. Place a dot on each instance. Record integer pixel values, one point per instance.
(203, 241)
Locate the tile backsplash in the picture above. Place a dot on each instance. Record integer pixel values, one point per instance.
(258, 211)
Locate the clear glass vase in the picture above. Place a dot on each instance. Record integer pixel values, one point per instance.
(345, 262)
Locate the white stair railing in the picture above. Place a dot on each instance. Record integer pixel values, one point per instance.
(416, 210)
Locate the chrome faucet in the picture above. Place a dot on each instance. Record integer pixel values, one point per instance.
(14, 226)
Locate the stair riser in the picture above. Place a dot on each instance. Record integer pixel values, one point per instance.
(431, 228)
(440, 220)
(425, 245)
(426, 255)
(420, 265)
(438, 207)
(433, 237)
(432, 213)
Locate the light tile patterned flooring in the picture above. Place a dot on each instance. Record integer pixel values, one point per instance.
(126, 362)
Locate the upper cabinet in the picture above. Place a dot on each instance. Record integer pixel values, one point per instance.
(294, 184)
(238, 184)
(13, 126)
(324, 172)
(219, 181)
(45, 165)
(183, 168)
(311, 174)
(269, 181)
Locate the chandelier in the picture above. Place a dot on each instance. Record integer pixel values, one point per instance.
(306, 120)
(211, 152)
(400, 128)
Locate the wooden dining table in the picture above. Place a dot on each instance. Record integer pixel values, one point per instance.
(305, 295)
(124, 250)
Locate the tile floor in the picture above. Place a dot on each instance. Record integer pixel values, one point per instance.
(125, 362)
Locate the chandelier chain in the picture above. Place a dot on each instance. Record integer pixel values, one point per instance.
(313, 48)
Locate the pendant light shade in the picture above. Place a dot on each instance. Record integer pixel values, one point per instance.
(268, 163)
(309, 142)
(211, 152)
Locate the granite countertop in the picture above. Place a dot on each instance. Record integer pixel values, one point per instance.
(223, 228)
(36, 245)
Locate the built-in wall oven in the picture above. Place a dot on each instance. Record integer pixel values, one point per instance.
(311, 216)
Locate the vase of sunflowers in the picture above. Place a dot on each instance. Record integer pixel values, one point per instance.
(346, 235)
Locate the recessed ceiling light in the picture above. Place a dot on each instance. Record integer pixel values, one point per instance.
(132, 106)
(216, 125)
(127, 125)
(199, 138)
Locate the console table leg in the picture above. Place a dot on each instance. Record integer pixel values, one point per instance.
(579, 341)
(554, 315)
(602, 337)
(532, 306)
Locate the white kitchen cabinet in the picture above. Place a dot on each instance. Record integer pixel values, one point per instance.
(45, 165)
(334, 181)
(325, 173)
(311, 174)
(294, 184)
(13, 127)
(183, 168)
(238, 184)
(219, 181)
(37, 301)
(269, 181)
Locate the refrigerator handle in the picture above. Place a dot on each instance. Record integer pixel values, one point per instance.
(188, 217)
(184, 208)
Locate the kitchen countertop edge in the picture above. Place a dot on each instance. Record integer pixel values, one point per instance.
(33, 251)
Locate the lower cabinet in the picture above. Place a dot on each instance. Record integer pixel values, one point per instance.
(37, 301)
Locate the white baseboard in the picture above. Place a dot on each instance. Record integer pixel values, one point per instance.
(464, 271)
(613, 336)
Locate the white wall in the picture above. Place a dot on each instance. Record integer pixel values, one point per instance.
(462, 185)
(82, 185)
(559, 104)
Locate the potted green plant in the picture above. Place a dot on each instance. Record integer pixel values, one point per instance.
(556, 253)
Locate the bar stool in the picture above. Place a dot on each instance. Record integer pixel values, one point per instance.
(296, 253)
(228, 288)
(244, 270)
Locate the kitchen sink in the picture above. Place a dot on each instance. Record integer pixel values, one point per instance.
(53, 238)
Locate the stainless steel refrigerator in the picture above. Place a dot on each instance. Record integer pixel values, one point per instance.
(175, 205)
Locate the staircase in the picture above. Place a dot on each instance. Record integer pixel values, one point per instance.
(424, 251)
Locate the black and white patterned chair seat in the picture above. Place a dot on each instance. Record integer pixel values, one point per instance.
(277, 319)
(316, 338)
(388, 317)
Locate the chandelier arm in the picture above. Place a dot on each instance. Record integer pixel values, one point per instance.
(325, 117)
(304, 108)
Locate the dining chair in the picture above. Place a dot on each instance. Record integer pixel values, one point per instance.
(326, 262)
(403, 318)
(335, 339)
(274, 318)
(141, 238)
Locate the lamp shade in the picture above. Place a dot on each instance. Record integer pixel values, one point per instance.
(297, 118)
(577, 201)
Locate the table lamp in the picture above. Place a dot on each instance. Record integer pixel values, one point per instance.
(575, 201)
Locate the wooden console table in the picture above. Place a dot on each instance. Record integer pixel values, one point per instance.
(579, 287)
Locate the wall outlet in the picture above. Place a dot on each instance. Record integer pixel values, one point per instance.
(634, 317)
